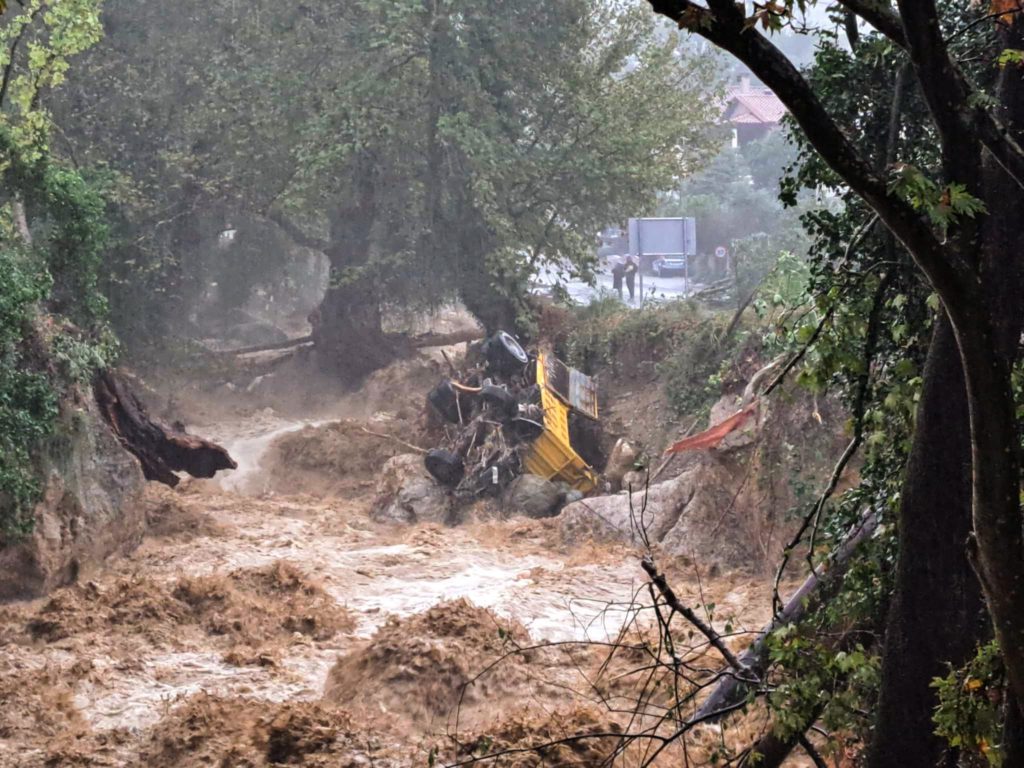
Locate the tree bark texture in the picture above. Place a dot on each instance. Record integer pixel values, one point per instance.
(936, 615)
(348, 335)
(161, 450)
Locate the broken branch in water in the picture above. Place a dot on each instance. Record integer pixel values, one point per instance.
(160, 449)
(395, 439)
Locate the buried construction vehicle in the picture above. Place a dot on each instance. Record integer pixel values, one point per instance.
(511, 414)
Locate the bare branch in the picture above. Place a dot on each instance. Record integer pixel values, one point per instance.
(647, 563)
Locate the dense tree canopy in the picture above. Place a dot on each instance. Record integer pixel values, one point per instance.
(429, 149)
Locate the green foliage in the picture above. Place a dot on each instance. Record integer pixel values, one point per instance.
(476, 147)
(971, 700)
(47, 34)
(862, 324)
(1010, 57)
(943, 205)
(686, 343)
(41, 355)
(52, 234)
(28, 403)
(841, 682)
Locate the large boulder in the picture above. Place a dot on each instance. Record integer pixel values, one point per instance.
(91, 508)
(533, 496)
(407, 494)
(686, 515)
(729, 504)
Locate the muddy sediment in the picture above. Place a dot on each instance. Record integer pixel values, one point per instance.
(270, 620)
(449, 661)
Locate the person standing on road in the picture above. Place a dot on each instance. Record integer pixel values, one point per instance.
(630, 270)
(618, 269)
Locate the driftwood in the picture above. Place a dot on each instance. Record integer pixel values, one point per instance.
(286, 344)
(732, 688)
(417, 342)
(160, 449)
(444, 339)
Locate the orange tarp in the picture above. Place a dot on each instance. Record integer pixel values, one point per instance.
(709, 438)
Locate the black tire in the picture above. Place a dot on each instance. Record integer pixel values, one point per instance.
(443, 399)
(499, 400)
(505, 355)
(444, 466)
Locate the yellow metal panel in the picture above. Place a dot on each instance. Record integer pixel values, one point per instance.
(551, 454)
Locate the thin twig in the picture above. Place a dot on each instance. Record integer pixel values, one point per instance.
(647, 563)
(858, 235)
(395, 439)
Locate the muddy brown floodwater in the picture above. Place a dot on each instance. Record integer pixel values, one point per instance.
(214, 642)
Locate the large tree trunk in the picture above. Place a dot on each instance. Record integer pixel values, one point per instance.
(494, 310)
(490, 295)
(347, 326)
(990, 349)
(347, 333)
(936, 613)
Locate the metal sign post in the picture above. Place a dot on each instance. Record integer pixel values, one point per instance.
(640, 262)
(686, 263)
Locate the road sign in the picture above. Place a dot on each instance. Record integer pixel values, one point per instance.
(720, 251)
(663, 237)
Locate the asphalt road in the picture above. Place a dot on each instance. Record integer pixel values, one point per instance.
(655, 288)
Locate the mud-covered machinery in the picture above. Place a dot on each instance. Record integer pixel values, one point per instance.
(514, 413)
(563, 390)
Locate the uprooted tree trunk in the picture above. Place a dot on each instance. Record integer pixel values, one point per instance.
(161, 450)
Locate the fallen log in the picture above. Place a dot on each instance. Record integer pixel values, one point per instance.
(444, 339)
(732, 689)
(270, 347)
(417, 342)
(161, 449)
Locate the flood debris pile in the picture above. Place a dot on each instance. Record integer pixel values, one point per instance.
(518, 428)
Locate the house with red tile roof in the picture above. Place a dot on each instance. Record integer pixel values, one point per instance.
(752, 110)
